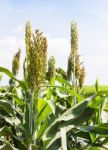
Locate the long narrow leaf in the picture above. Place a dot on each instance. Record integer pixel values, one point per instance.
(76, 115)
(9, 74)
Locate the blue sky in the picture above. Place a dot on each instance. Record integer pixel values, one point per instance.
(53, 17)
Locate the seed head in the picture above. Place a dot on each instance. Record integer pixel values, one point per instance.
(16, 62)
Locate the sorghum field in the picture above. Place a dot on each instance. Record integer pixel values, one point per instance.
(51, 108)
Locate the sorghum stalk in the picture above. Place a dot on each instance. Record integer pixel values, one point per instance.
(34, 68)
(75, 70)
(71, 70)
(74, 49)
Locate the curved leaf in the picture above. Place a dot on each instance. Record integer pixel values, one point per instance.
(9, 74)
(7, 106)
(7, 146)
(5, 131)
(18, 100)
(76, 115)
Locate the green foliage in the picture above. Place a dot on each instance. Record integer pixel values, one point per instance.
(7, 147)
(82, 131)
(90, 90)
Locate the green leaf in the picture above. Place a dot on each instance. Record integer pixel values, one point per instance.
(7, 146)
(94, 148)
(12, 120)
(9, 74)
(43, 114)
(44, 107)
(18, 142)
(55, 142)
(5, 131)
(40, 104)
(92, 137)
(7, 106)
(63, 81)
(34, 147)
(41, 129)
(97, 101)
(82, 134)
(97, 86)
(61, 95)
(26, 117)
(101, 129)
(18, 100)
(76, 115)
(69, 91)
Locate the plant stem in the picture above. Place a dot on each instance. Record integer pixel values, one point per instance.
(74, 82)
(63, 138)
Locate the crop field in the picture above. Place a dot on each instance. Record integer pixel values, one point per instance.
(90, 90)
(51, 108)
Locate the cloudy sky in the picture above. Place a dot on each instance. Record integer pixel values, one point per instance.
(53, 17)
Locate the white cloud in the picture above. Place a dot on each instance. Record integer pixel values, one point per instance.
(8, 47)
(19, 29)
(60, 48)
(11, 41)
(96, 68)
(102, 45)
(95, 63)
(106, 19)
